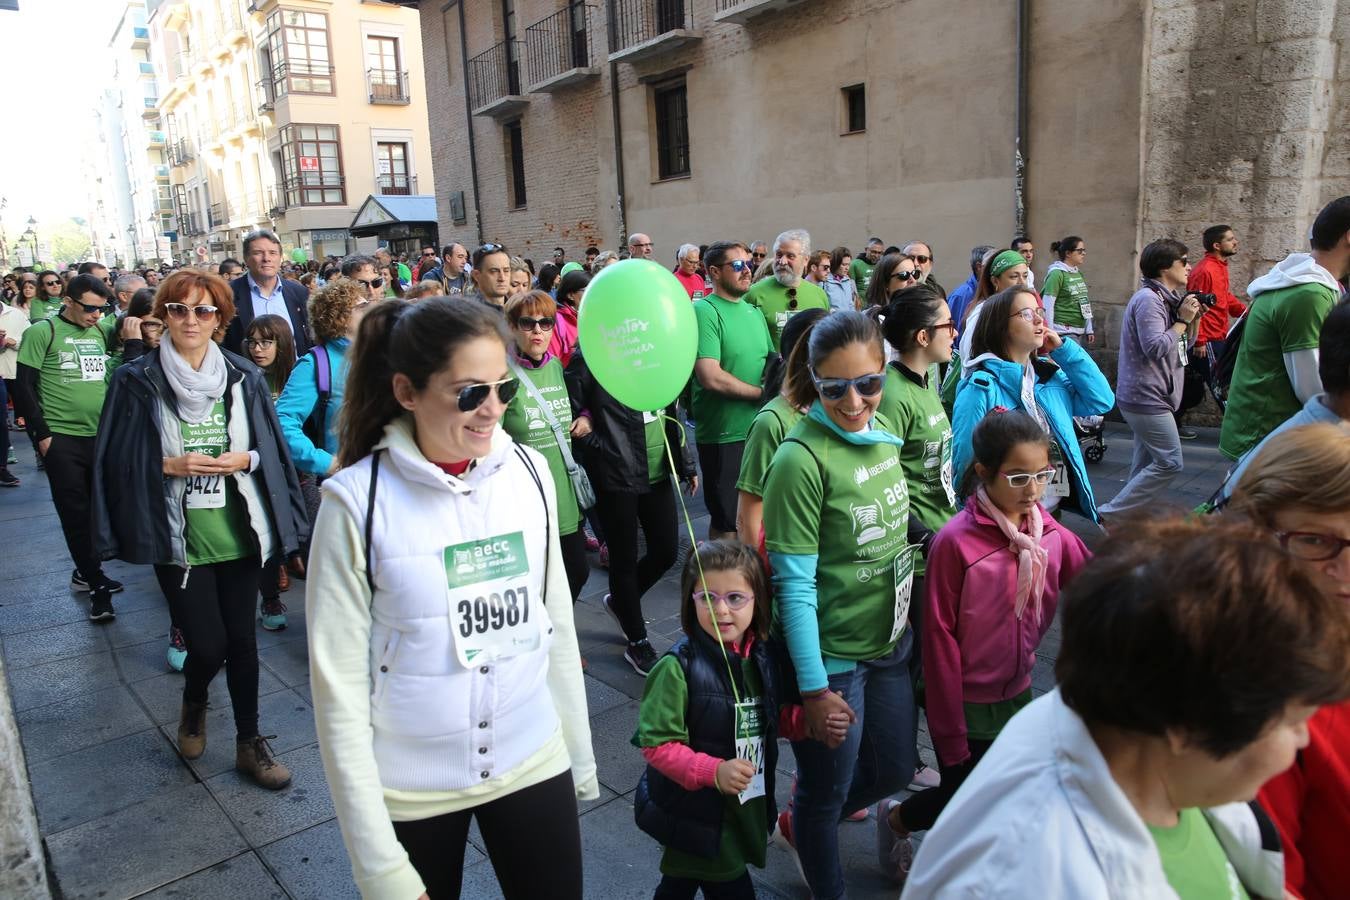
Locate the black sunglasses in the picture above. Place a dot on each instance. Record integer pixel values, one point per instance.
(738, 265)
(837, 388)
(372, 283)
(51, 284)
(792, 298)
(472, 396)
(97, 308)
(912, 275)
(528, 323)
(920, 259)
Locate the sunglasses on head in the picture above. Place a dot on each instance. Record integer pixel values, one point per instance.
(529, 323)
(472, 396)
(733, 599)
(837, 388)
(179, 312)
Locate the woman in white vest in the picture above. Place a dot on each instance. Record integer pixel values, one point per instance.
(446, 676)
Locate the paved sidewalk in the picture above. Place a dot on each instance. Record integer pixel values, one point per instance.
(122, 815)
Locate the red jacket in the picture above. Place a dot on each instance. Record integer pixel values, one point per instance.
(1210, 276)
(1310, 804)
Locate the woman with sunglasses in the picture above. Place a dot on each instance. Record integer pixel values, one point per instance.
(836, 518)
(47, 302)
(1006, 369)
(443, 657)
(1152, 372)
(1065, 293)
(191, 476)
(532, 318)
(308, 406)
(894, 272)
(1298, 487)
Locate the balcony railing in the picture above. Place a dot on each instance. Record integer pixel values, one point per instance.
(315, 189)
(558, 48)
(276, 204)
(494, 80)
(181, 152)
(265, 95)
(396, 184)
(387, 86)
(642, 28)
(301, 76)
(217, 216)
(189, 224)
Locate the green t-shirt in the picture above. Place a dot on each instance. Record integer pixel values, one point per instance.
(1071, 297)
(1194, 861)
(1261, 397)
(661, 719)
(654, 433)
(860, 270)
(919, 420)
(40, 308)
(525, 422)
(73, 373)
(217, 521)
(985, 721)
(774, 301)
(847, 505)
(774, 420)
(734, 334)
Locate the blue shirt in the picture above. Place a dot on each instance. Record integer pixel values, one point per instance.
(273, 305)
(960, 298)
(297, 402)
(841, 292)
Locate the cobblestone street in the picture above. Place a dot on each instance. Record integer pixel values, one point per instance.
(122, 815)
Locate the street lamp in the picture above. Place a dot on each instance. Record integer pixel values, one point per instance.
(31, 236)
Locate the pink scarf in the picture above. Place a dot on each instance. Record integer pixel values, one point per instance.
(1031, 556)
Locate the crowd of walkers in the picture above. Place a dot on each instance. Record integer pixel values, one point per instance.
(888, 470)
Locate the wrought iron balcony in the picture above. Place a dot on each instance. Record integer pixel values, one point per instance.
(558, 49)
(396, 184)
(740, 12)
(388, 86)
(218, 215)
(315, 189)
(645, 28)
(265, 95)
(494, 81)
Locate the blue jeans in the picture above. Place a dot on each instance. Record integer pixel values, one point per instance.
(877, 759)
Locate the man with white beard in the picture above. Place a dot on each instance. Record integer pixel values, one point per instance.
(785, 294)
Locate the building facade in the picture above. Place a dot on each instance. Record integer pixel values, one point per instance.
(287, 116)
(958, 122)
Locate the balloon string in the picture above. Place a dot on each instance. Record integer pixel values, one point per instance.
(693, 548)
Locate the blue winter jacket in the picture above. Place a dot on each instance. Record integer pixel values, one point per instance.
(297, 402)
(1068, 384)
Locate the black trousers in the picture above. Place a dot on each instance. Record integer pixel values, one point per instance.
(721, 466)
(532, 836)
(4, 423)
(920, 811)
(215, 610)
(70, 475)
(630, 577)
(575, 561)
(672, 888)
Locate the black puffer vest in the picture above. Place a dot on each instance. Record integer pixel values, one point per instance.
(691, 821)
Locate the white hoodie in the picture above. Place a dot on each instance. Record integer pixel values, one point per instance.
(1295, 269)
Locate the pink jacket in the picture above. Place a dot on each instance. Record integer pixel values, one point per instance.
(564, 340)
(974, 648)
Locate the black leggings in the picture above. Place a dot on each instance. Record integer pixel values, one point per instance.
(575, 561)
(672, 888)
(920, 811)
(543, 861)
(630, 577)
(215, 612)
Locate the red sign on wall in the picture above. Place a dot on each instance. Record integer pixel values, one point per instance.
(309, 164)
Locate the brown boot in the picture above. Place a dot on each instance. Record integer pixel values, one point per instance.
(283, 579)
(192, 730)
(253, 757)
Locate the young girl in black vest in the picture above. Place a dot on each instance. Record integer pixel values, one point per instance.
(708, 729)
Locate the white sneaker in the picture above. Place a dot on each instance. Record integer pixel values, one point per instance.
(925, 778)
(895, 854)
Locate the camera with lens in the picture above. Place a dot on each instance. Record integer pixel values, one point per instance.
(1206, 300)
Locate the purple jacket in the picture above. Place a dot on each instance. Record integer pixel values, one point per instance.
(1150, 376)
(975, 649)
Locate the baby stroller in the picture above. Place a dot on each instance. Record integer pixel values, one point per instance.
(1091, 434)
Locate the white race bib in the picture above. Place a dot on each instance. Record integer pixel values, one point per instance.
(750, 745)
(204, 491)
(1086, 309)
(92, 367)
(493, 612)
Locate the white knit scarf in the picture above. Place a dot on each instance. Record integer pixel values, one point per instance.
(197, 390)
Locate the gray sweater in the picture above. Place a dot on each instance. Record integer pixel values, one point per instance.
(1150, 374)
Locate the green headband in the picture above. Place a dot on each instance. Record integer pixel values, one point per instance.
(1005, 261)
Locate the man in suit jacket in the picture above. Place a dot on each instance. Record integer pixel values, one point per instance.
(262, 290)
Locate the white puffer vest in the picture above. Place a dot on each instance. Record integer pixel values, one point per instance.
(438, 725)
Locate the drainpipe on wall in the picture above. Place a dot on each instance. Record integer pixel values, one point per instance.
(618, 133)
(468, 110)
(1020, 145)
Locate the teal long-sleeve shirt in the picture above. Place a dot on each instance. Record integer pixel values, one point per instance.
(297, 402)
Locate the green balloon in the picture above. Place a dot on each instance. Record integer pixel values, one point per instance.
(570, 267)
(638, 333)
(298, 255)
